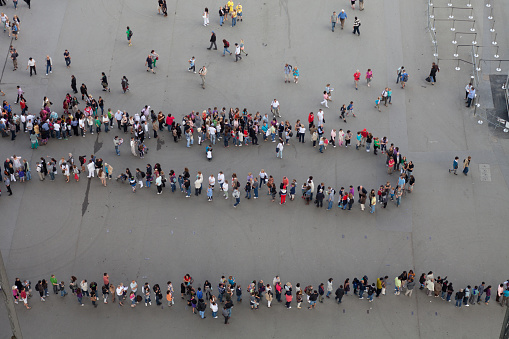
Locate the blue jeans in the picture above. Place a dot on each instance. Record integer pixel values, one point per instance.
(368, 146)
(91, 127)
(147, 299)
(79, 300)
(106, 127)
(52, 175)
(321, 148)
(248, 194)
(237, 201)
(487, 299)
(458, 302)
(188, 191)
(432, 78)
(279, 154)
(63, 292)
(220, 297)
(443, 295)
(344, 206)
(221, 20)
(329, 207)
(333, 25)
(398, 78)
(225, 141)
(239, 297)
(181, 181)
(188, 139)
(372, 208)
(448, 297)
(370, 297)
(273, 136)
(214, 314)
(328, 293)
(58, 134)
(28, 175)
(48, 69)
(213, 139)
(234, 21)
(202, 314)
(225, 49)
(147, 183)
(117, 150)
(361, 293)
(173, 187)
(398, 201)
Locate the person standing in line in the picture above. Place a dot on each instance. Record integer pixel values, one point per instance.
(488, 295)
(237, 52)
(400, 71)
(369, 76)
(342, 17)
(31, 64)
(279, 149)
(212, 41)
(433, 73)
(67, 57)
(288, 71)
(356, 25)
(356, 78)
(470, 96)
(410, 288)
(236, 195)
(129, 34)
(466, 165)
(333, 20)
(455, 165)
(203, 73)
(192, 66)
(14, 58)
(226, 315)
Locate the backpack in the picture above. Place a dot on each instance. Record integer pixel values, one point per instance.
(143, 174)
(227, 44)
(405, 78)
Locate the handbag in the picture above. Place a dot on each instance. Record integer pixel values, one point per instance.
(428, 79)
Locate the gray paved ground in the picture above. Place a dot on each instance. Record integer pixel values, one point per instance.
(451, 225)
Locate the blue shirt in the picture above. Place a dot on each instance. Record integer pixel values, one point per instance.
(401, 181)
(342, 15)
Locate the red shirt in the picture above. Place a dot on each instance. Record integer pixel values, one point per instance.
(311, 118)
(357, 76)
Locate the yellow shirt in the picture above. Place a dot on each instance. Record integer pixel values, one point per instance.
(239, 8)
(230, 5)
(234, 14)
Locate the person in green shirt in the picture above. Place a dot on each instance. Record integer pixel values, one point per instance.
(54, 283)
(98, 124)
(376, 144)
(129, 34)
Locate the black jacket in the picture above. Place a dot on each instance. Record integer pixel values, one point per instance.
(213, 38)
(340, 292)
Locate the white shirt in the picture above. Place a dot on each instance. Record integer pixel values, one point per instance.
(280, 146)
(120, 290)
(134, 287)
(220, 178)
(212, 130)
(213, 307)
(91, 167)
(275, 104)
(31, 62)
(118, 115)
(212, 180)
(237, 50)
(320, 116)
(225, 187)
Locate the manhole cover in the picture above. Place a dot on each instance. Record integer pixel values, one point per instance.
(484, 170)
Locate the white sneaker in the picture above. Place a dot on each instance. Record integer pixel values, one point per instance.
(146, 304)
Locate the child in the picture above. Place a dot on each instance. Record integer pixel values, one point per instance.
(377, 104)
(132, 182)
(132, 297)
(292, 190)
(209, 193)
(282, 193)
(21, 174)
(169, 298)
(349, 109)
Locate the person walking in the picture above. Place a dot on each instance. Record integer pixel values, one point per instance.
(236, 195)
(192, 66)
(288, 72)
(466, 165)
(73, 84)
(226, 44)
(455, 165)
(31, 64)
(356, 26)
(104, 82)
(124, 82)
(67, 57)
(149, 64)
(433, 73)
(333, 20)
(342, 17)
(369, 76)
(279, 149)
(237, 52)
(49, 64)
(14, 58)
(325, 99)
(400, 71)
(404, 79)
(203, 73)
(470, 96)
(356, 78)
(129, 34)
(212, 41)
(274, 108)
(242, 47)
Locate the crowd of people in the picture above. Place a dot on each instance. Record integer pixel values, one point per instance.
(197, 296)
